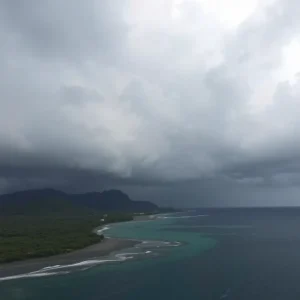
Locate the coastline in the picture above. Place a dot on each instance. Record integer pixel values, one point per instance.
(96, 251)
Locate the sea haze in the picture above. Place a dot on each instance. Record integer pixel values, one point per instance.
(205, 254)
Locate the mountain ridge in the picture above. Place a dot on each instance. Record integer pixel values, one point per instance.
(43, 201)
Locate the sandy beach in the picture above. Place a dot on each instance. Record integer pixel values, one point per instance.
(96, 251)
(99, 250)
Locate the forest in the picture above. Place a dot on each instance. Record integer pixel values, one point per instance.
(24, 237)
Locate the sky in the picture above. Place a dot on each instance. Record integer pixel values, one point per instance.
(181, 102)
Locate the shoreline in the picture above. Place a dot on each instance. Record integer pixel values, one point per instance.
(96, 251)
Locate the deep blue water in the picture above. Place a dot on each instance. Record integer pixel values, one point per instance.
(206, 254)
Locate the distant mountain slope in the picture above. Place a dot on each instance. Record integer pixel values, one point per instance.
(49, 201)
(112, 200)
(40, 202)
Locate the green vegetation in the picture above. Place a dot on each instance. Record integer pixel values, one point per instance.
(40, 223)
(24, 237)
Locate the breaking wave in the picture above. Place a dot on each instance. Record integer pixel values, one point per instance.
(145, 248)
(181, 217)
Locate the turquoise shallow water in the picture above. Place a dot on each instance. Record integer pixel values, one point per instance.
(184, 244)
(228, 254)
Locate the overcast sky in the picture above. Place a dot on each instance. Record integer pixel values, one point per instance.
(183, 102)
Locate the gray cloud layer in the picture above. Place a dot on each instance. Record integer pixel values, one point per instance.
(95, 94)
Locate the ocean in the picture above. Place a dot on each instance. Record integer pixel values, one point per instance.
(207, 254)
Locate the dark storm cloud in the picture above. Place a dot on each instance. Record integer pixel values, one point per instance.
(162, 103)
